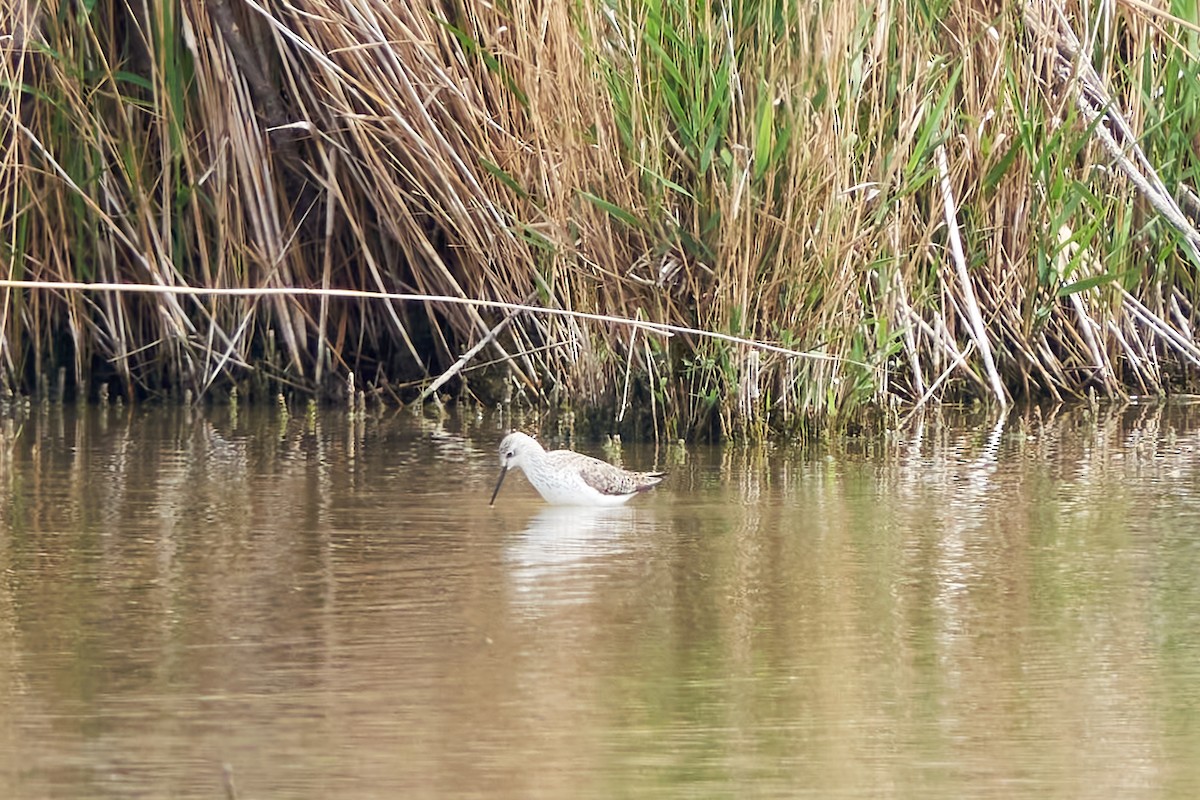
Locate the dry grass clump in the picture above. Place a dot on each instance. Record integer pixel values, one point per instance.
(911, 201)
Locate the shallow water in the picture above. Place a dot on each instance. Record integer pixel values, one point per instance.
(318, 609)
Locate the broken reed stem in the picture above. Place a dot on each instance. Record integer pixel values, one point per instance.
(1098, 107)
(466, 357)
(1181, 345)
(661, 328)
(959, 360)
(974, 317)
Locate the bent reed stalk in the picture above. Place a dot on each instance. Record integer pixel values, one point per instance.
(832, 208)
(662, 328)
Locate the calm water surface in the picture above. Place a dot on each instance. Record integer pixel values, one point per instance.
(323, 609)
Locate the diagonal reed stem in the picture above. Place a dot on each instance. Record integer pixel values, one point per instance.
(661, 328)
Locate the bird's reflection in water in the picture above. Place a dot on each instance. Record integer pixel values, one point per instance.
(565, 552)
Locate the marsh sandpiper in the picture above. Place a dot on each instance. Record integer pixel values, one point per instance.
(566, 478)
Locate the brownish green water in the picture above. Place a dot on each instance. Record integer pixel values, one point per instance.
(331, 610)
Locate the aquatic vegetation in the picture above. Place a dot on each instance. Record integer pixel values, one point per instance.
(906, 202)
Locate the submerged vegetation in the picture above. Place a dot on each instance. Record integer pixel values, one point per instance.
(909, 201)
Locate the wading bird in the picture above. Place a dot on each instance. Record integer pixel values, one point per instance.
(566, 478)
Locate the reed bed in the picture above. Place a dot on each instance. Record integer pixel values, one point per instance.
(839, 209)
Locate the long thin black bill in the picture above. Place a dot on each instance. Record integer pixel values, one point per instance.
(503, 472)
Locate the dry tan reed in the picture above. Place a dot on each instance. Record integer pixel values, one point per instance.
(943, 201)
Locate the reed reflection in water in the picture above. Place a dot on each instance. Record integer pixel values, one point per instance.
(971, 607)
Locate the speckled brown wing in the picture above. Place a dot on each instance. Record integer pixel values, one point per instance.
(614, 481)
